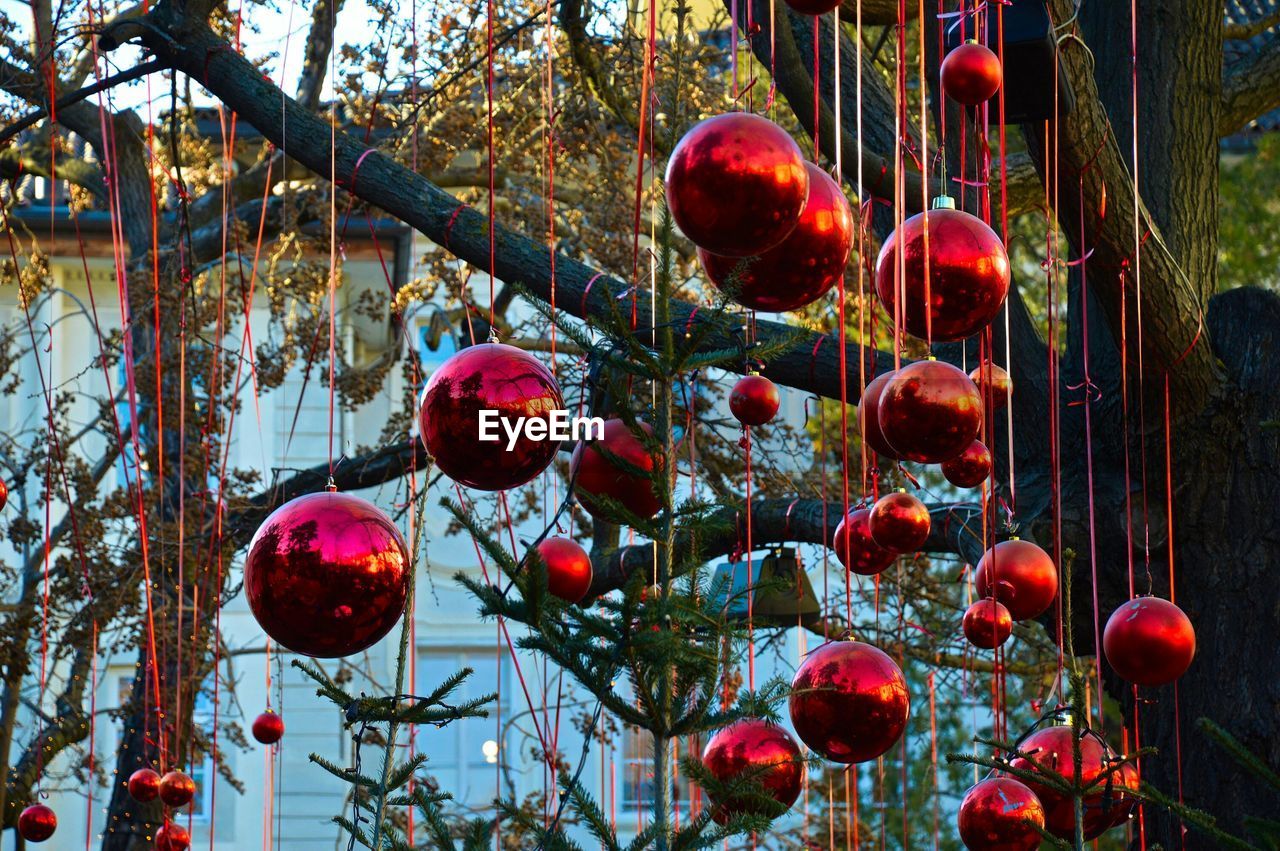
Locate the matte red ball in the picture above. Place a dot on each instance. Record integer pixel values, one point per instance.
(994, 384)
(268, 728)
(800, 269)
(1149, 641)
(755, 751)
(595, 474)
(498, 378)
(849, 701)
(144, 785)
(177, 789)
(327, 575)
(172, 837)
(568, 568)
(869, 416)
(1051, 748)
(930, 412)
(968, 275)
(899, 522)
(37, 823)
(1000, 814)
(987, 624)
(1020, 575)
(754, 400)
(971, 74)
(970, 468)
(855, 548)
(736, 184)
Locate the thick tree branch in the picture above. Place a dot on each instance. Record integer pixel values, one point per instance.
(1250, 87)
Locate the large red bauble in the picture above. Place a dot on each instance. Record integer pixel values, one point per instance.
(736, 184)
(849, 701)
(172, 837)
(177, 789)
(970, 468)
(1020, 575)
(755, 751)
(37, 823)
(869, 416)
(1000, 814)
(971, 74)
(327, 575)
(994, 384)
(498, 378)
(268, 728)
(987, 624)
(930, 412)
(144, 785)
(754, 400)
(804, 266)
(1051, 748)
(593, 473)
(899, 522)
(568, 568)
(855, 548)
(968, 275)
(1149, 641)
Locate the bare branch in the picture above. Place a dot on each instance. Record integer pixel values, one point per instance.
(1250, 87)
(315, 63)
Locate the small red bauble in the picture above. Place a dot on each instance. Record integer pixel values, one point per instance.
(855, 548)
(971, 74)
(930, 412)
(869, 416)
(987, 624)
(994, 384)
(970, 468)
(804, 266)
(268, 728)
(754, 400)
(755, 751)
(177, 789)
(1149, 641)
(968, 275)
(849, 701)
(4, 494)
(899, 522)
(1051, 748)
(144, 785)
(736, 184)
(327, 575)
(1020, 575)
(37, 823)
(172, 837)
(506, 384)
(1000, 814)
(595, 474)
(568, 568)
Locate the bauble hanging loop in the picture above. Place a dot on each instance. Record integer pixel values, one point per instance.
(754, 400)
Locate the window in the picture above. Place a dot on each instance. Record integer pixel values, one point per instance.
(637, 774)
(463, 756)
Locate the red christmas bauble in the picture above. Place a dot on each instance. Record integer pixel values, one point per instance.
(1051, 748)
(869, 416)
(968, 275)
(1149, 641)
(568, 568)
(327, 575)
(800, 269)
(970, 468)
(755, 751)
(172, 837)
(849, 701)
(855, 548)
(930, 412)
(4, 494)
(595, 474)
(987, 624)
(971, 74)
(994, 384)
(754, 400)
(1020, 575)
(736, 184)
(1123, 781)
(144, 785)
(507, 385)
(899, 522)
(177, 789)
(37, 823)
(1000, 814)
(268, 728)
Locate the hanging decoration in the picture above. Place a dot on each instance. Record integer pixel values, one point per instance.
(970, 468)
(144, 785)
(994, 384)
(971, 74)
(172, 837)
(856, 549)
(177, 789)
(1149, 641)
(849, 701)
(1000, 814)
(1052, 749)
(899, 522)
(268, 728)
(37, 823)
(1019, 574)
(930, 412)
(869, 416)
(4, 494)
(568, 568)
(760, 752)
(987, 624)
(754, 400)
(596, 475)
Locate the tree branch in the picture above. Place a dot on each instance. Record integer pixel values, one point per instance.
(1250, 87)
(75, 97)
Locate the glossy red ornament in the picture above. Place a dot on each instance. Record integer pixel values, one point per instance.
(899, 522)
(1020, 575)
(37, 823)
(804, 266)
(994, 384)
(1051, 748)
(755, 751)
(568, 568)
(490, 377)
(849, 701)
(177, 789)
(754, 400)
(971, 74)
(1000, 814)
(736, 184)
(593, 473)
(172, 837)
(327, 574)
(970, 468)
(268, 728)
(930, 412)
(987, 624)
(1149, 641)
(4, 494)
(855, 548)
(869, 416)
(968, 275)
(144, 785)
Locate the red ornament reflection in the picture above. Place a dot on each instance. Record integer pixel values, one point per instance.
(754, 400)
(869, 416)
(899, 522)
(930, 412)
(994, 384)
(855, 548)
(37, 823)
(268, 728)
(594, 474)
(755, 752)
(1051, 749)
(568, 568)
(1149, 641)
(970, 468)
(1020, 575)
(144, 785)
(987, 624)
(172, 837)
(971, 74)
(177, 789)
(1000, 814)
